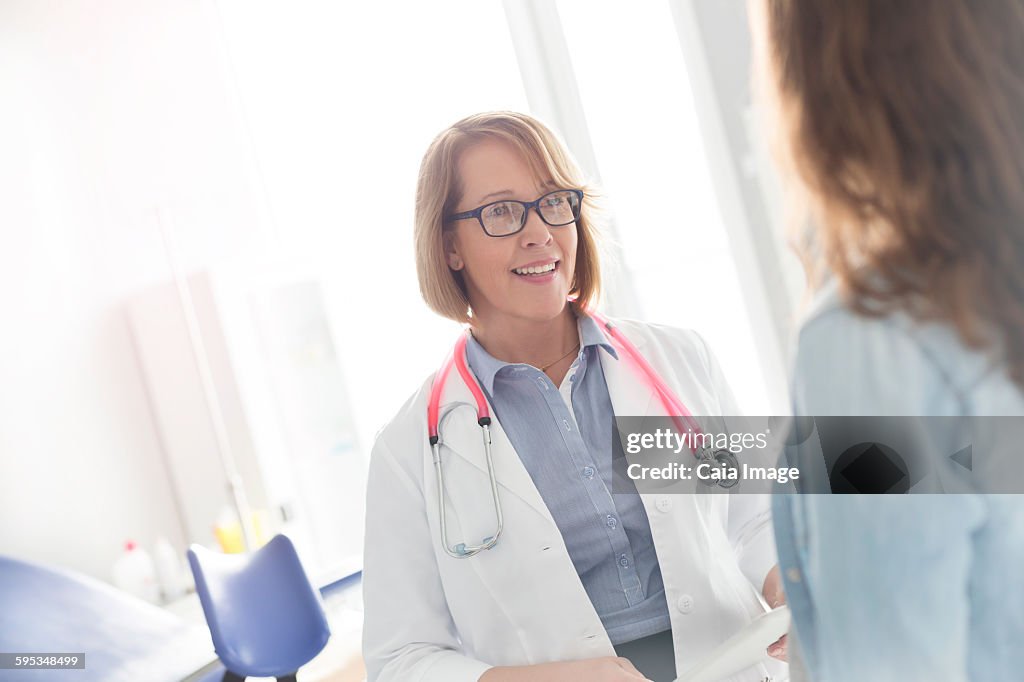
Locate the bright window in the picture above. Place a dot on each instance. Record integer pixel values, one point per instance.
(343, 99)
(640, 112)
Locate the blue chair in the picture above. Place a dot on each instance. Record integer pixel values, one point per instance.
(266, 618)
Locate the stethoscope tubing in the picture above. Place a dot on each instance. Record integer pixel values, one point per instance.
(673, 406)
(458, 358)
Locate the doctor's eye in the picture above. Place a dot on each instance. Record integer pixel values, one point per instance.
(560, 207)
(502, 218)
(501, 210)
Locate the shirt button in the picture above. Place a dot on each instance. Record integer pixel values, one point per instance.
(793, 574)
(664, 504)
(685, 603)
(623, 561)
(588, 472)
(612, 522)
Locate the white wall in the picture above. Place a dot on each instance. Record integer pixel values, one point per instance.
(257, 128)
(104, 117)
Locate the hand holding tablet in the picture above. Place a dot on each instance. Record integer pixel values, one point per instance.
(742, 650)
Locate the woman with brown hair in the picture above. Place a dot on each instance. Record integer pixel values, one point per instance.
(903, 128)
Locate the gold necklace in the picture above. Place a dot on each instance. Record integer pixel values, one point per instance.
(545, 367)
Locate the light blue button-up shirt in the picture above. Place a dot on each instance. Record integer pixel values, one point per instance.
(568, 453)
(901, 587)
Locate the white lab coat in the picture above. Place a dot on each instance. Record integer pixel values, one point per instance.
(433, 618)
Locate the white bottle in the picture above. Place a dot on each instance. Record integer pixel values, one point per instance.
(170, 571)
(135, 573)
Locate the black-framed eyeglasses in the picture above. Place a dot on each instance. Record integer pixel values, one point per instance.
(508, 216)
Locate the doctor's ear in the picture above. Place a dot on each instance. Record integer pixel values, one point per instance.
(451, 254)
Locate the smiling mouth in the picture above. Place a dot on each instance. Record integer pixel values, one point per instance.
(537, 270)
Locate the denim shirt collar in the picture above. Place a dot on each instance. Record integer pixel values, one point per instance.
(486, 367)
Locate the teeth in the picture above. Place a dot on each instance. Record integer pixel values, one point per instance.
(534, 270)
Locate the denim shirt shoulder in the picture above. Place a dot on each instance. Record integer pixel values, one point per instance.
(846, 363)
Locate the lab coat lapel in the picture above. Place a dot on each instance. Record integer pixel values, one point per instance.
(461, 434)
(631, 393)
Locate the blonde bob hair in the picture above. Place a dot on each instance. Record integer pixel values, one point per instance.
(439, 189)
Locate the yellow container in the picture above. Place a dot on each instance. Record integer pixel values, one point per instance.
(229, 533)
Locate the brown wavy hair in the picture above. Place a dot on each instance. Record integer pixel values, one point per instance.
(905, 121)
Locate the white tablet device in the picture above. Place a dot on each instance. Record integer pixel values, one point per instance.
(742, 650)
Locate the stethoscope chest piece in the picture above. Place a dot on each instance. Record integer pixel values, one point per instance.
(725, 463)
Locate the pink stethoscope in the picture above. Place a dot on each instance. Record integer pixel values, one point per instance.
(673, 406)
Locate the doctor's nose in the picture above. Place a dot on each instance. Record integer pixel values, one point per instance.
(536, 232)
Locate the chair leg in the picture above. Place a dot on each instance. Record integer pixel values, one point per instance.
(235, 677)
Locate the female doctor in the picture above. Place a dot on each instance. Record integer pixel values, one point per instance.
(579, 580)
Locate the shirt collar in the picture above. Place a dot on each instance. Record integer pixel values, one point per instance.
(591, 334)
(485, 366)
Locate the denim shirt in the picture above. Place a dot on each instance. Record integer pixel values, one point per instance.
(563, 434)
(901, 587)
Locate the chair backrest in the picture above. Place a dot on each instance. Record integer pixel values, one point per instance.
(265, 617)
